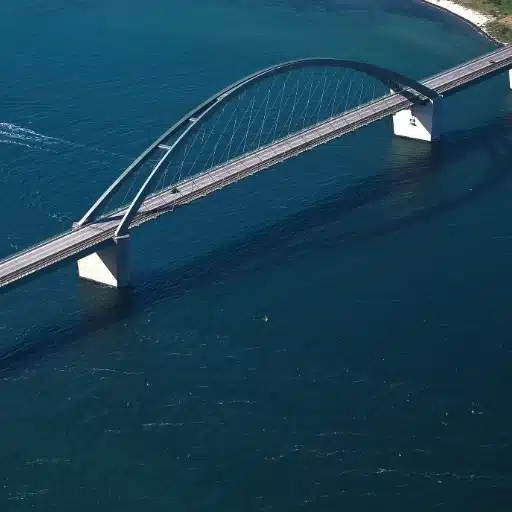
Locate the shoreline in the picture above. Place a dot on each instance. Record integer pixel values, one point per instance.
(477, 20)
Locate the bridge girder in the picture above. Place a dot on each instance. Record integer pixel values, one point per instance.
(189, 121)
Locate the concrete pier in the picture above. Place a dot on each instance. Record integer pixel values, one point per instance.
(421, 122)
(510, 78)
(110, 266)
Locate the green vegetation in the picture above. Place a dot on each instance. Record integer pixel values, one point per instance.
(501, 31)
(501, 27)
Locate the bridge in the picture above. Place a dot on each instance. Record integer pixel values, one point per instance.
(251, 125)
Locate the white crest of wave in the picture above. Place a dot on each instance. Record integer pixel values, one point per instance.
(16, 133)
(10, 141)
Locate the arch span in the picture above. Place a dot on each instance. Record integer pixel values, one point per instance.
(192, 118)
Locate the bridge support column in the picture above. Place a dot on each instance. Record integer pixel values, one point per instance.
(108, 266)
(510, 77)
(421, 122)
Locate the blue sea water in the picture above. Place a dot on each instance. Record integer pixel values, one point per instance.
(331, 334)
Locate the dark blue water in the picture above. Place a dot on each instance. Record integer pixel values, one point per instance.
(381, 379)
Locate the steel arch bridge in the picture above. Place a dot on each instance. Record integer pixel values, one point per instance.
(191, 122)
(246, 127)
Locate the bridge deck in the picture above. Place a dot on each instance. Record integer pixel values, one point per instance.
(77, 242)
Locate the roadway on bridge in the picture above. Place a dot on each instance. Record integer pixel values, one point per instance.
(81, 241)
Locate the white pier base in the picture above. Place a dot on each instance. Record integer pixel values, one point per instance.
(108, 266)
(420, 122)
(510, 78)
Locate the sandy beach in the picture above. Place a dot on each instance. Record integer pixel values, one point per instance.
(476, 18)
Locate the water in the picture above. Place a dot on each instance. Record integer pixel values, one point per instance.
(332, 334)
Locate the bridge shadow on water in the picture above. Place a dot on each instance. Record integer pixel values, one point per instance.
(282, 239)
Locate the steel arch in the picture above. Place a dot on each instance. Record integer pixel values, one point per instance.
(388, 77)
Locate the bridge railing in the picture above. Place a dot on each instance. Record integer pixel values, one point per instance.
(472, 61)
(35, 246)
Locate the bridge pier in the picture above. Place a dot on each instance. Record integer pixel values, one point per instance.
(421, 122)
(110, 266)
(510, 77)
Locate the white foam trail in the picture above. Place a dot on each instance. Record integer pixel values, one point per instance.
(15, 142)
(18, 133)
(14, 134)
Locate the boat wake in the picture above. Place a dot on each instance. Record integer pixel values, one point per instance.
(20, 136)
(13, 134)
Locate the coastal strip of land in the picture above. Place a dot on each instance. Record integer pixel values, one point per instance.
(491, 17)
